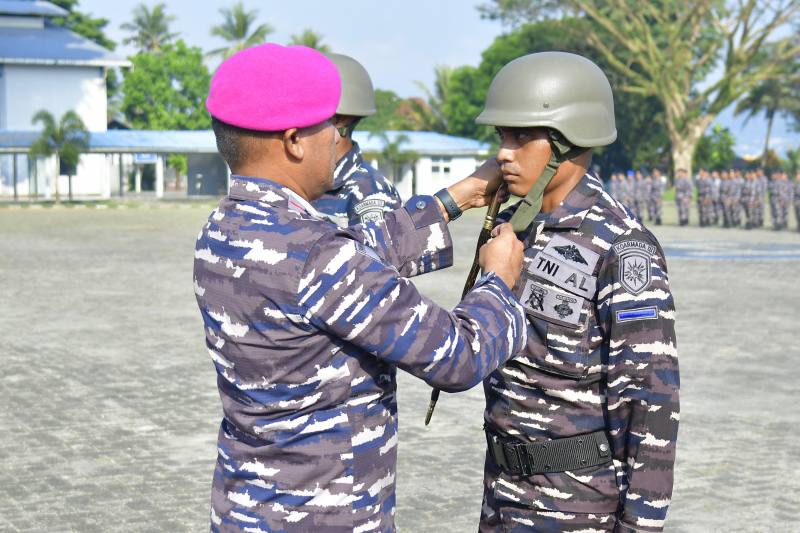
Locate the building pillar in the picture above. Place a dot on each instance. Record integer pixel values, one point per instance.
(159, 176)
(16, 195)
(138, 180)
(122, 180)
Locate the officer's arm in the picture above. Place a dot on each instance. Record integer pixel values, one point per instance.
(636, 310)
(413, 239)
(348, 292)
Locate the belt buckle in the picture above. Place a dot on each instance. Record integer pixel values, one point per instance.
(524, 460)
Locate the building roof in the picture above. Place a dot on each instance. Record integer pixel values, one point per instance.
(52, 45)
(31, 7)
(166, 142)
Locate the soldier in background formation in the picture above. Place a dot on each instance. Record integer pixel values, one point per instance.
(780, 197)
(683, 196)
(796, 190)
(706, 204)
(658, 183)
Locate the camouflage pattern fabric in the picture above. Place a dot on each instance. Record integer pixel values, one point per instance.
(360, 193)
(749, 198)
(655, 201)
(683, 199)
(306, 324)
(595, 288)
(705, 201)
(761, 199)
(737, 184)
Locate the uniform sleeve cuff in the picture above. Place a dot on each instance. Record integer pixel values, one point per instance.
(424, 211)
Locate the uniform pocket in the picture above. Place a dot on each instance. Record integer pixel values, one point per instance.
(557, 349)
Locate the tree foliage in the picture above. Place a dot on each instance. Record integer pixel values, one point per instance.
(239, 30)
(392, 113)
(429, 113)
(83, 23)
(393, 155)
(167, 91)
(667, 49)
(715, 149)
(311, 39)
(149, 28)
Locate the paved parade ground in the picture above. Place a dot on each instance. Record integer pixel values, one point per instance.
(110, 410)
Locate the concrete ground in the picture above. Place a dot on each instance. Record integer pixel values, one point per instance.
(110, 411)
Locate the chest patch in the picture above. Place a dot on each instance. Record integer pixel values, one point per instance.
(550, 303)
(370, 210)
(564, 274)
(579, 257)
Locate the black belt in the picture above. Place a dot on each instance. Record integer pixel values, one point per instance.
(557, 455)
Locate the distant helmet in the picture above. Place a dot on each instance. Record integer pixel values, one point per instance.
(558, 90)
(358, 95)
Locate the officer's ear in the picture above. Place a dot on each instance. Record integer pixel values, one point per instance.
(292, 144)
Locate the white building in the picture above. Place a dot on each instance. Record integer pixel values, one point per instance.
(47, 67)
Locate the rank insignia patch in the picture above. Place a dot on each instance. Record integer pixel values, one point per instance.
(551, 303)
(571, 252)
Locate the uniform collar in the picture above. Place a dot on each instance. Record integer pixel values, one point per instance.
(573, 209)
(348, 164)
(269, 192)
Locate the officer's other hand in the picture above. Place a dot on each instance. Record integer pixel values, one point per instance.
(503, 255)
(477, 189)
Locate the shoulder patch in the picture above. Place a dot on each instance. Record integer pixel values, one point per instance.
(642, 313)
(370, 210)
(635, 265)
(563, 273)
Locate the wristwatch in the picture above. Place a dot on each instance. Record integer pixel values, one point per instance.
(450, 205)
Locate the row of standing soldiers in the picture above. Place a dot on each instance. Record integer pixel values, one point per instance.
(726, 198)
(641, 193)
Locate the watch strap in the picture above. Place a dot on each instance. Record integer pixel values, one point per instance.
(450, 205)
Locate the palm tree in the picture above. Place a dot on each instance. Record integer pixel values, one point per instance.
(150, 28)
(67, 140)
(311, 39)
(430, 113)
(396, 158)
(775, 95)
(237, 29)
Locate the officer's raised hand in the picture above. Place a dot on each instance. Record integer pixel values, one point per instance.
(503, 254)
(476, 190)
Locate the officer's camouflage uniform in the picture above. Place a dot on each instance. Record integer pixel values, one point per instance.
(360, 193)
(609, 361)
(683, 199)
(306, 324)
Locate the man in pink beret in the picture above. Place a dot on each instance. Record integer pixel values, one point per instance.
(307, 323)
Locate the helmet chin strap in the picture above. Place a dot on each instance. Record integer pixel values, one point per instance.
(531, 205)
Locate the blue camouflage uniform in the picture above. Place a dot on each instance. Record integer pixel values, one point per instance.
(359, 194)
(306, 324)
(594, 285)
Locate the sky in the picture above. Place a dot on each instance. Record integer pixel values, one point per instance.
(398, 41)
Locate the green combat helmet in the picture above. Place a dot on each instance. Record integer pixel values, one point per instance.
(358, 95)
(565, 93)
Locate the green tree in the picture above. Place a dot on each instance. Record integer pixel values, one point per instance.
(395, 158)
(773, 96)
(430, 112)
(793, 161)
(715, 149)
(66, 138)
(167, 91)
(83, 23)
(150, 28)
(311, 39)
(668, 49)
(238, 29)
(387, 115)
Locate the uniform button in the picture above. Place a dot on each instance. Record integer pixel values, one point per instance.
(421, 205)
(603, 447)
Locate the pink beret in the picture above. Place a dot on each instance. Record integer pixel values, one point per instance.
(273, 88)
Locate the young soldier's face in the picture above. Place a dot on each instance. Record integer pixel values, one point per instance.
(523, 155)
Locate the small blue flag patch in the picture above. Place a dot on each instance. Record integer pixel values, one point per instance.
(642, 313)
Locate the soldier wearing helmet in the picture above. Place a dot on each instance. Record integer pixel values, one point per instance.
(581, 425)
(359, 193)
